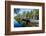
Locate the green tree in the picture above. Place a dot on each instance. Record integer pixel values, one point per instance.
(18, 17)
(35, 13)
(27, 14)
(31, 14)
(24, 13)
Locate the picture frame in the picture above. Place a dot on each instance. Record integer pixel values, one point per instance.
(8, 9)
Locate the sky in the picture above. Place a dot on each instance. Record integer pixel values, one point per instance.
(24, 9)
(21, 10)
